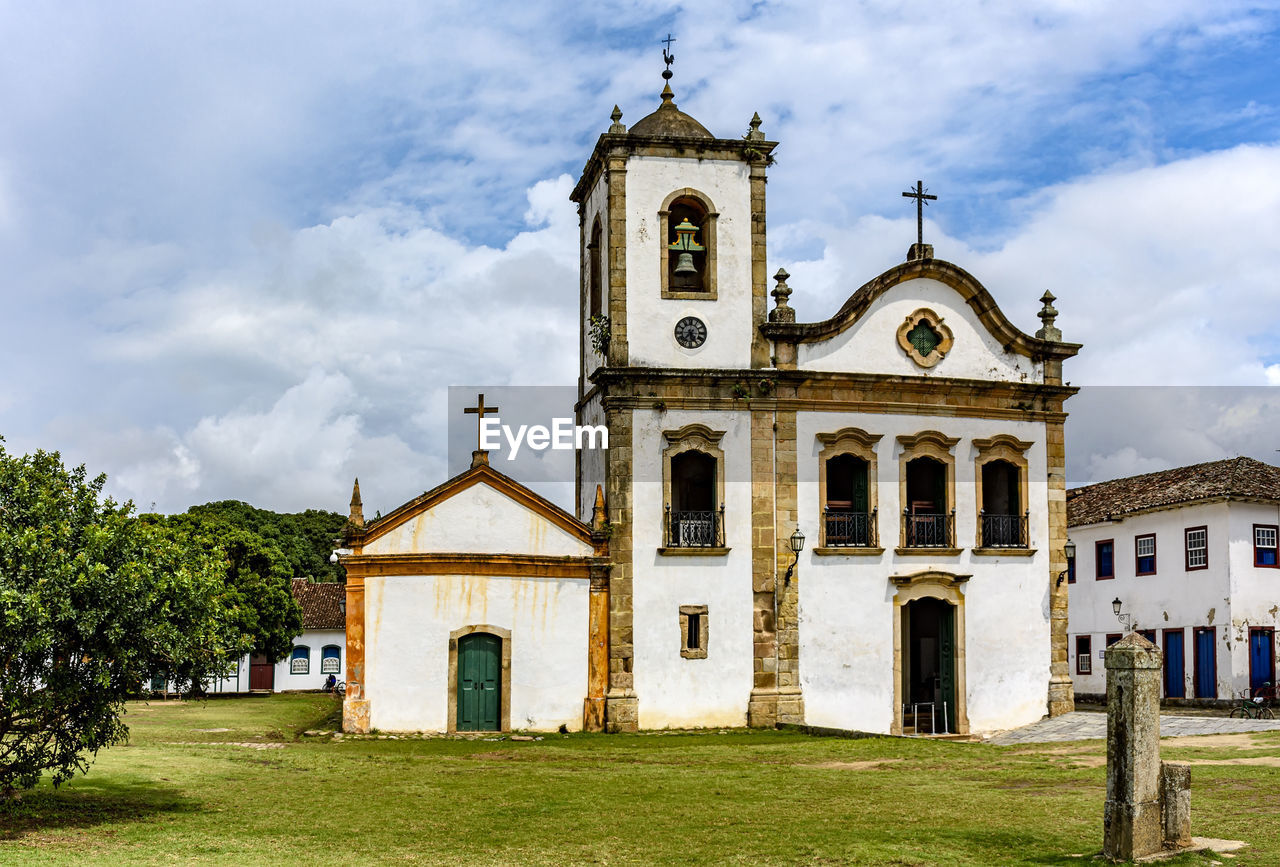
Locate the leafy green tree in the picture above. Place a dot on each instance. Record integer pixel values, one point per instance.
(92, 601)
(304, 538)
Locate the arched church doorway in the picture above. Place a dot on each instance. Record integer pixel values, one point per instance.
(929, 666)
(479, 683)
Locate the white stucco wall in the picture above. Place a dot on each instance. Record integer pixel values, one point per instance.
(870, 345)
(408, 620)
(846, 601)
(314, 640)
(1173, 598)
(673, 691)
(479, 520)
(651, 319)
(1255, 591)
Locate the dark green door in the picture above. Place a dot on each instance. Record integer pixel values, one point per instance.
(947, 661)
(479, 682)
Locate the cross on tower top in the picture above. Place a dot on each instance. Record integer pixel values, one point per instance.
(479, 411)
(667, 57)
(920, 194)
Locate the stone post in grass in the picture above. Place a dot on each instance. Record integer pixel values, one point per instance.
(1148, 807)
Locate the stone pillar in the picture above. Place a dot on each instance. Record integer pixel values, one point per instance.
(616, 177)
(1062, 696)
(622, 706)
(759, 267)
(790, 698)
(1175, 801)
(1132, 821)
(762, 706)
(355, 707)
(593, 708)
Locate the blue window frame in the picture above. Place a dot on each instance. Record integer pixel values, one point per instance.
(1104, 559)
(330, 659)
(1144, 549)
(300, 662)
(1264, 545)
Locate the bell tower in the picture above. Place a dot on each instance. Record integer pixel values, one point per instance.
(672, 244)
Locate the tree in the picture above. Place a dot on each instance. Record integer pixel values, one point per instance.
(304, 538)
(92, 602)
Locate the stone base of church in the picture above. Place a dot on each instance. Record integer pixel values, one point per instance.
(622, 714)
(1062, 697)
(355, 716)
(768, 707)
(593, 714)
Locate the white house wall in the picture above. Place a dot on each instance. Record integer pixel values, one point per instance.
(1173, 598)
(870, 345)
(315, 640)
(408, 620)
(479, 520)
(1255, 591)
(651, 319)
(674, 691)
(846, 601)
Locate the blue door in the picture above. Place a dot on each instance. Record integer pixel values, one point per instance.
(1261, 658)
(1206, 664)
(1175, 678)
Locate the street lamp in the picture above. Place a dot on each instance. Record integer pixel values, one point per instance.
(797, 545)
(1070, 550)
(1126, 619)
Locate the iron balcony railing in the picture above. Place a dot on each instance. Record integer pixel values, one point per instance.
(1004, 531)
(850, 529)
(695, 529)
(924, 530)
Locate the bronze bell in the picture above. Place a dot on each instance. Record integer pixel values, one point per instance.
(684, 265)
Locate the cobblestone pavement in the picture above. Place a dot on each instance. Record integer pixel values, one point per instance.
(1082, 725)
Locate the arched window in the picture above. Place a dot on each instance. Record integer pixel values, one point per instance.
(595, 276)
(688, 246)
(330, 659)
(300, 661)
(847, 516)
(1001, 475)
(692, 468)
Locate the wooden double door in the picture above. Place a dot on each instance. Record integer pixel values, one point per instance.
(479, 683)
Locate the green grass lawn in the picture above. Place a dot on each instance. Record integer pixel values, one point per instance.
(188, 788)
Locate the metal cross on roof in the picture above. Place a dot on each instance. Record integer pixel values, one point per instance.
(667, 57)
(920, 194)
(479, 412)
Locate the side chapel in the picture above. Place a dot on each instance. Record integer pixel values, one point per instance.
(855, 523)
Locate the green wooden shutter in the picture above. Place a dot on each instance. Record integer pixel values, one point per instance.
(860, 486)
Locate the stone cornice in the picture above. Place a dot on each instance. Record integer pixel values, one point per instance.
(626, 144)
(973, 292)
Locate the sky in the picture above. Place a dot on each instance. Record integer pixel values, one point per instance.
(246, 248)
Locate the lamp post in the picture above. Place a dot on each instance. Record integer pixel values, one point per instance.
(797, 545)
(1070, 550)
(1126, 619)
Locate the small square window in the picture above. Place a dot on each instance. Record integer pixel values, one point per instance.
(1264, 545)
(1197, 548)
(1104, 561)
(1145, 551)
(693, 631)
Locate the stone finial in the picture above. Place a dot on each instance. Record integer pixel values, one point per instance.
(780, 293)
(479, 458)
(618, 127)
(356, 516)
(598, 517)
(755, 134)
(668, 96)
(919, 251)
(1047, 315)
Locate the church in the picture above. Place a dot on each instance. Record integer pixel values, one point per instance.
(856, 523)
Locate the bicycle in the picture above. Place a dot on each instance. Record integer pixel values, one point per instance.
(1255, 704)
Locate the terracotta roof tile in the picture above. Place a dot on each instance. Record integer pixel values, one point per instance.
(320, 604)
(1234, 477)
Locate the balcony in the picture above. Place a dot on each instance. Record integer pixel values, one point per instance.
(928, 530)
(847, 529)
(695, 529)
(1004, 531)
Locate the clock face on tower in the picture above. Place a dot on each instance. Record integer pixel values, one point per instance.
(691, 332)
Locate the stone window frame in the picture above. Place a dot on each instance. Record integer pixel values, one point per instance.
(294, 659)
(708, 241)
(692, 437)
(926, 444)
(1008, 448)
(504, 704)
(848, 441)
(946, 339)
(699, 652)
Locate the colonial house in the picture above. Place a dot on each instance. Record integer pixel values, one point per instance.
(1188, 558)
(317, 652)
(855, 522)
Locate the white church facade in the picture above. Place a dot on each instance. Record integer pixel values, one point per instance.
(854, 523)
